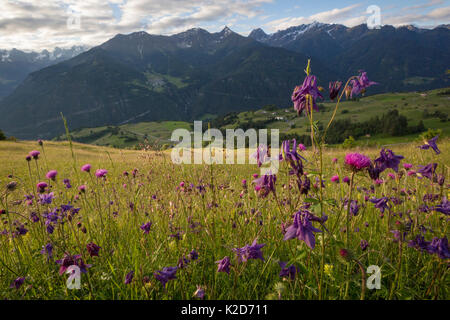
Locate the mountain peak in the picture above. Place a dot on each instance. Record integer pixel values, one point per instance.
(226, 31)
(258, 34)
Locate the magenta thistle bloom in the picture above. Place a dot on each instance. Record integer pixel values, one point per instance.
(335, 179)
(335, 87)
(407, 166)
(346, 180)
(301, 147)
(360, 84)
(82, 188)
(34, 154)
(431, 144)
(86, 168)
(51, 175)
(93, 249)
(248, 252)
(41, 186)
(166, 274)
(388, 160)
(300, 94)
(357, 161)
(224, 265)
(17, 283)
(302, 229)
(101, 173)
(146, 227)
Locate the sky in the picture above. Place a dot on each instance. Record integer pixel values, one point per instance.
(46, 24)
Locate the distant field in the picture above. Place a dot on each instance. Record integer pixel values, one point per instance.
(412, 105)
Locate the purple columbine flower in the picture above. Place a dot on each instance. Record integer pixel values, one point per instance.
(428, 170)
(48, 250)
(146, 227)
(265, 184)
(439, 247)
(51, 175)
(381, 204)
(193, 255)
(363, 244)
(101, 173)
(304, 185)
(261, 155)
(166, 274)
(388, 160)
(86, 168)
(360, 84)
(248, 252)
(129, 277)
(335, 87)
(431, 144)
(287, 272)
(300, 94)
(17, 283)
(444, 207)
(93, 249)
(357, 161)
(302, 228)
(354, 207)
(46, 198)
(224, 265)
(288, 154)
(199, 293)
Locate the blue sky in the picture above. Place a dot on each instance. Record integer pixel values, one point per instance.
(28, 24)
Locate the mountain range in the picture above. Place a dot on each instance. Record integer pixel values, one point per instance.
(197, 74)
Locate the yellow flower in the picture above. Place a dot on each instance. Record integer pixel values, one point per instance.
(328, 269)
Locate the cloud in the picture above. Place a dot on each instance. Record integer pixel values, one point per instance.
(433, 17)
(27, 24)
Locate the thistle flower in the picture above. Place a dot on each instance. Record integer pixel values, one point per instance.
(86, 168)
(34, 154)
(346, 180)
(302, 228)
(335, 179)
(301, 147)
(431, 144)
(300, 94)
(357, 161)
(407, 166)
(41, 186)
(224, 265)
(101, 173)
(334, 87)
(51, 175)
(360, 84)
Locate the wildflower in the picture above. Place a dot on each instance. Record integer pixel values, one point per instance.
(308, 89)
(70, 260)
(431, 144)
(328, 269)
(419, 243)
(34, 154)
(46, 198)
(302, 229)
(379, 181)
(363, 244)
(199, 293)
(360, 84)
(301, 147)
(381, 204)
(28, 158)
(252, 251)
(129, 277)
(40, 142)
(51, 175)
(261, 155)
(82, 188)
(334, 160)
(86, 168)
(244, 183)
(193, 255)
(439, 247)
(391, 175)
(224, 265)
(287, 272)
(444, 207)
(67, 183)
(357, 161)
(344, 253)
(146, 227)
(48, 250)
(11, 186)
(388, 160)
(101, 173)
(17, 283)
(334, 87)
(354, 207)
(288, 154)
(304, 185)
(41, 186)
(346, 180)
(335, 179)
(428, 170)
(265, 184)
(166, 274)
(407, 166)
(93, 249)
